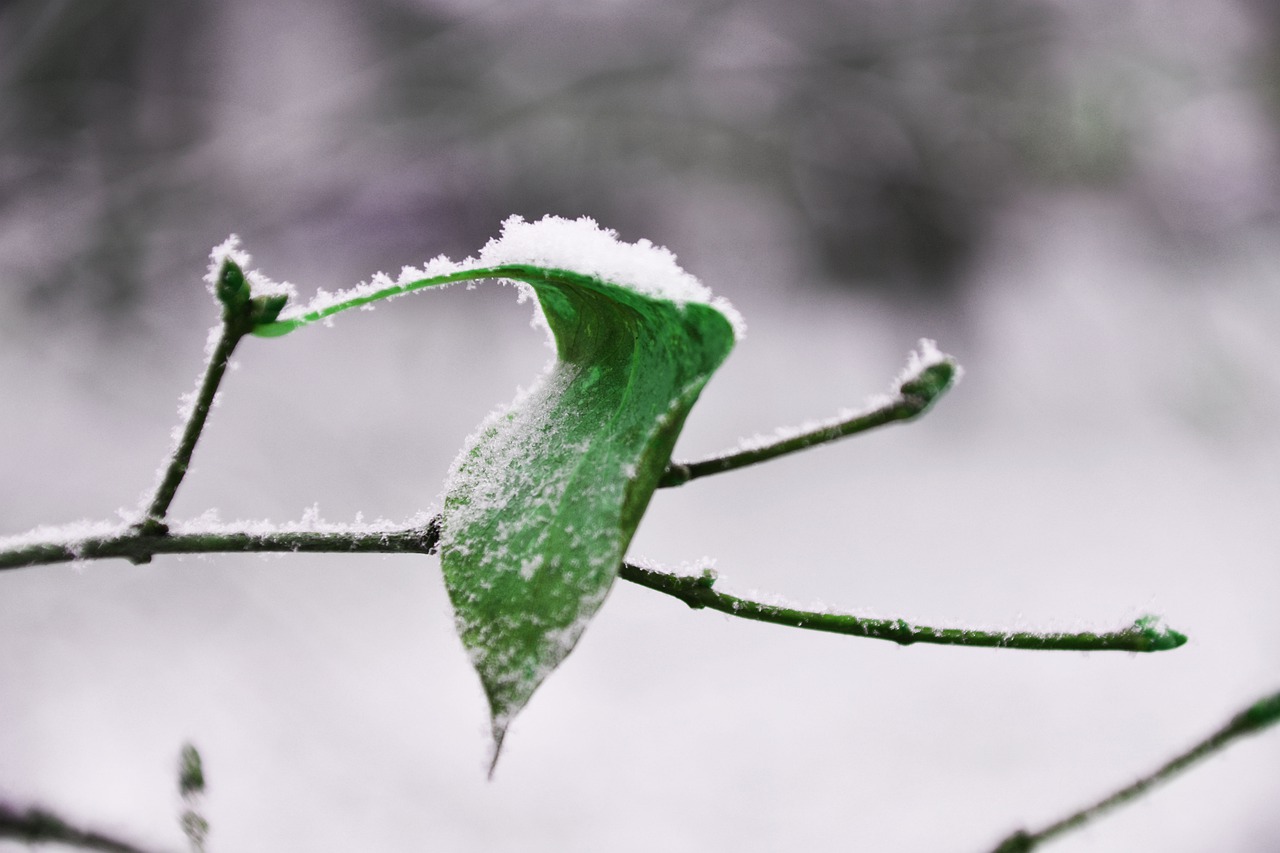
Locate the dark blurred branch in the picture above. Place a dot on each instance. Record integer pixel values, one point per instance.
(38, 826)
(1252, 720)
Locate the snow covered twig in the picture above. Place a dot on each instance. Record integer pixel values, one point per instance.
(928, 376)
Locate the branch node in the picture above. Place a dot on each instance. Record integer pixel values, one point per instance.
(677, 474)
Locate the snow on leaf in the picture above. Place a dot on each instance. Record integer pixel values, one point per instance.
(545, 498)
(558, 481)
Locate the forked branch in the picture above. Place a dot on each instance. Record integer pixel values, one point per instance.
(927, 378)
(1147, 634)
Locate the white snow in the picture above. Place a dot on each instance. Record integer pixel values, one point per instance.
(582, 246)
(229, 249)
(921, 359)
(684, 569)
(310, 522)
(63, 535)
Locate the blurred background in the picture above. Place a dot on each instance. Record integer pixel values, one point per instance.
(1079, 200)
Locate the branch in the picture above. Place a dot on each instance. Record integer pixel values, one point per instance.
(180, 460)
(37, 826)
(1146, 634)
(928, 376)
(241, 313)
(1252, 720)
(139, 546)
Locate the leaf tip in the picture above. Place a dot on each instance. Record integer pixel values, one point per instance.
(499, 735)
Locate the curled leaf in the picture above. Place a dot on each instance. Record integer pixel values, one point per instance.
(547, 495)
(544, 499)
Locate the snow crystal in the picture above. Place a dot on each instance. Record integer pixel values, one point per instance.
(310, 522)
(229, 250)
(921, 359)
(684, 569)
(582, 246)
(68, 536)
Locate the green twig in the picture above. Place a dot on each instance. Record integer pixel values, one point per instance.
(915, 395)
(180, 459)
(241, 312)
(1252, 720)
(38, 826)
(1146, 634)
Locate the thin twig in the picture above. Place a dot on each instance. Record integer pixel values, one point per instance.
(915, 395)
(180, 459)
(240, 313)
(1252, 720)
(138, 546)
(38, 826)
(1146, 634)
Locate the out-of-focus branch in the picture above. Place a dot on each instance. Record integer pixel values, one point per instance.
(39, 826)
(1258, 716)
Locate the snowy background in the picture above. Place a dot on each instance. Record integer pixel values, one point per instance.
(1077, 200)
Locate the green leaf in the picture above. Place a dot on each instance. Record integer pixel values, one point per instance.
(546, 497)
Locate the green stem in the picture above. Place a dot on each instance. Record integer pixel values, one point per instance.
(1252, 720)
(180, 459)
(241, 312)
(283, 327)
(915, 397)
(1144, 635)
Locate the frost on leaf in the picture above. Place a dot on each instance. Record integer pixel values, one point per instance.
(546, 496)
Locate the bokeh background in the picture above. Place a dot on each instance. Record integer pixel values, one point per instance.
(1077, 199)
